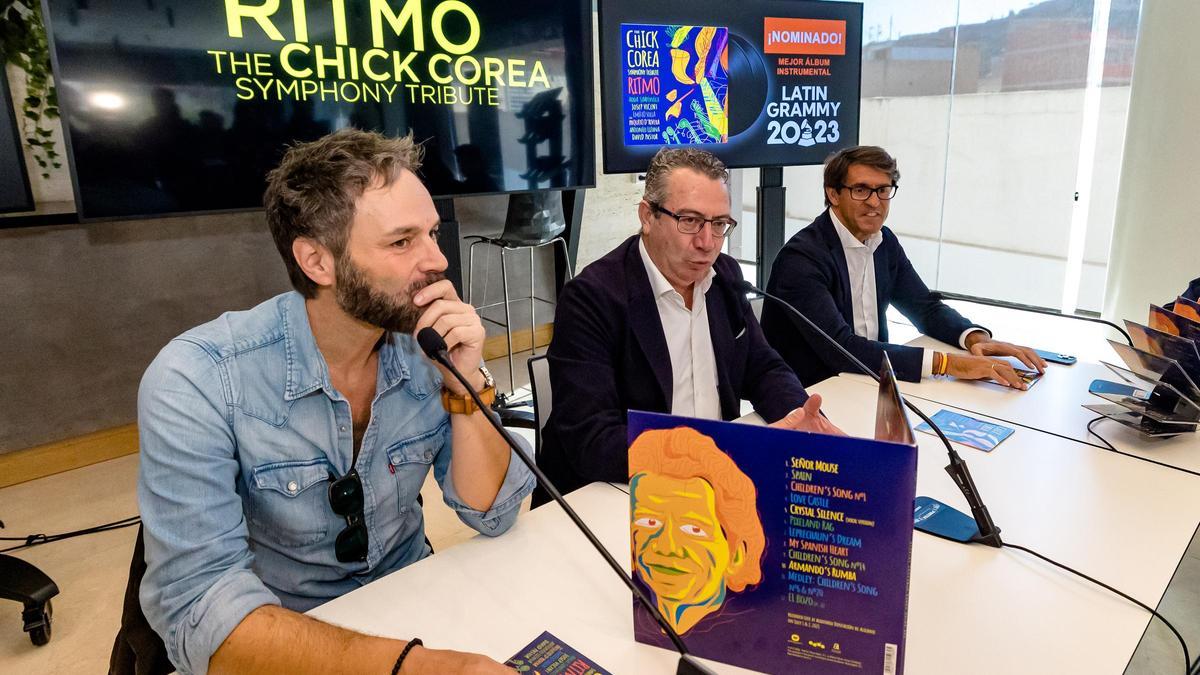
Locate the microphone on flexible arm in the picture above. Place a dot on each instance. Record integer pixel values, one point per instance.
(435, 348)
(988, 532)
(944, 295)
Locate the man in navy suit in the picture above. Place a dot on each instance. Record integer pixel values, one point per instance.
(658, 324)
(1192, 292)
(843, 271)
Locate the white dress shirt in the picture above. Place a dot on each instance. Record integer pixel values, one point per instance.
(864, 297)
(693, 362)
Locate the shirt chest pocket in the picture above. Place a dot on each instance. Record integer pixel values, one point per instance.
(410, 460)
(288, 501)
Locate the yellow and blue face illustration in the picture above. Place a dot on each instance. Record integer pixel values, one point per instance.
(694, 524)
(679, 545)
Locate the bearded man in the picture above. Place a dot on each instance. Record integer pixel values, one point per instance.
(283, 449)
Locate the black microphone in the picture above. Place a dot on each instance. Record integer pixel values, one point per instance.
(988, 532)
(435, 348)
(943, 295)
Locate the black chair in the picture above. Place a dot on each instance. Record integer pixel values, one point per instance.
(534, 220)
(137, 649)
(539, 385)
(26, 584)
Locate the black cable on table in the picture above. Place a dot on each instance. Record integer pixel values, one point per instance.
(1128, 454)
(1189, 668)
(38, 539)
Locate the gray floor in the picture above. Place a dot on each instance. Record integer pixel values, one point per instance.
(1159, 650)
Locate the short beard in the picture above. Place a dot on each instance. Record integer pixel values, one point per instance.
(358, 298)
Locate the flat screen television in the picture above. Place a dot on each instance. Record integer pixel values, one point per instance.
(179, 107)
(756, 82)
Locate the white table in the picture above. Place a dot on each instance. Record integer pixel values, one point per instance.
(972, 608)
(1053, 405)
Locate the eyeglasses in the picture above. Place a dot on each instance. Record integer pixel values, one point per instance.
(691, 224)
(861, 193)
(346, 500)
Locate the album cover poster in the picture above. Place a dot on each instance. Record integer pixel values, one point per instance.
(770, 549)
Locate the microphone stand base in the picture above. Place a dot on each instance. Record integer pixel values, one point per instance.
(689, 665)
(992, 539)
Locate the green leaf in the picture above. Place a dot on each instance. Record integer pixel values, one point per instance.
(33, 101)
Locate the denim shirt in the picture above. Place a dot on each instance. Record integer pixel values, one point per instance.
(240, 429)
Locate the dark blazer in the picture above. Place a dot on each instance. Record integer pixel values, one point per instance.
(609, 355)
(1192, 293)
(810, 273)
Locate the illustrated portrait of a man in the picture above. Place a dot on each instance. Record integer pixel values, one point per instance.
(696, 533)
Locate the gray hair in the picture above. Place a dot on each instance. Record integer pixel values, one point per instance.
(667, 160)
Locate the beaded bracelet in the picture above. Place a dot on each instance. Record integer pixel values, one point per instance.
(415, 642)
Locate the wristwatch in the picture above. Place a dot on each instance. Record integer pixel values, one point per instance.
(463, 404)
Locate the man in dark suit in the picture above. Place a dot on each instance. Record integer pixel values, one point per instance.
(1192, 292)
(657, 324)
(843, 271)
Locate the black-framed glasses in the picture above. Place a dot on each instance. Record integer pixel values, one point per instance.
(690, 223)
(346, 500)
(861, 193)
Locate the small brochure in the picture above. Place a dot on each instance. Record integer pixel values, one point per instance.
(1138, 422)
(1161, 397)
(1174, 323)
(1164, 344)
(1187, 308)
(968, 430)
(775, 550)
(547, 655)
(1155, 369)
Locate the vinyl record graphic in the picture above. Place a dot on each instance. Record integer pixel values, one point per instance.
(748, 82)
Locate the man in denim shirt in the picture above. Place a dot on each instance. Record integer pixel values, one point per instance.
(283, 448)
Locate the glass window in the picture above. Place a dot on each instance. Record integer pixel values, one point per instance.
(1007, 119)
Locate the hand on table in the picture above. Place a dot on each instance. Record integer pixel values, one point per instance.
(970, 367)
(986, 346)
(808, 418)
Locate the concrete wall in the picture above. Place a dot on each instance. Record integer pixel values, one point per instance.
(85, 309)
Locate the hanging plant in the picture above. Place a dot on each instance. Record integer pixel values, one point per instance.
(23, 39)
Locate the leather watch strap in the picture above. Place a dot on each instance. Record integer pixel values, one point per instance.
(456, 404)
